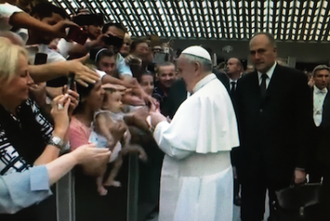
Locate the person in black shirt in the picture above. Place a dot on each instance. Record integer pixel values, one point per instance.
(26, 137)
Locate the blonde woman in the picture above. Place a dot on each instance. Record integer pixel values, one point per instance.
(27, 139)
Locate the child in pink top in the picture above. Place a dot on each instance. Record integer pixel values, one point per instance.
(79, 133)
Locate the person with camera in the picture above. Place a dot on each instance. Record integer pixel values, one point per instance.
(27, 139)
(13, 17)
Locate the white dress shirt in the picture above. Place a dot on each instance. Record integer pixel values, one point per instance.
(231, 85)
(269, 74)
(318, 97)
(52, 55)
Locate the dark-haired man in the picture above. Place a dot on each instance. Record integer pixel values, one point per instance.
(234, 69)
(166, 75)
(115, 29)
(274, 118)
(38, 43)
(92, 24)
(119, 31)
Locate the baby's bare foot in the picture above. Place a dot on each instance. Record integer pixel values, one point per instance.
(102, 191)
(113, 183)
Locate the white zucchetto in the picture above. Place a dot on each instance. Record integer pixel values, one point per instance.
(197, 51)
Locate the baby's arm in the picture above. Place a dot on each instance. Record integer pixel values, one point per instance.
(102, 126)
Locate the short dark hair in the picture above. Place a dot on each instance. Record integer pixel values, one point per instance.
(164, 65)
(88, 19)
(46, 9)
(239, 63)
(148, 73)
(136, 42)
(268, 35)
(83, 92)
(117, 25)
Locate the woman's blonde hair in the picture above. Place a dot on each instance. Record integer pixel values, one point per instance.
(9, 55)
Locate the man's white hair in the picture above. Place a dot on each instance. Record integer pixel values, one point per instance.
(206, 64)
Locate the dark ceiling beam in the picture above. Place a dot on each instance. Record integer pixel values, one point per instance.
(298, 22)
(311, 22)
(210, 15)
(292, 16)
(158, 18)
(324, 37)
(169, 21)
(226, 18)
(217, 34)
(221, 21)
(179, 19)
(205, 34)
(198, 19)
(233, 16)
(304, 22)
(287, 14)
(134, 9)
(245, 22)
(122, 10)
(280, 21)
(250, 19)
(144, 11)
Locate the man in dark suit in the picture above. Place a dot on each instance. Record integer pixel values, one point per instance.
(321, 116)
(178, 94)
(273, 112)
(234, 70)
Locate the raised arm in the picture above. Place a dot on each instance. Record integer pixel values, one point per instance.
(46, 72)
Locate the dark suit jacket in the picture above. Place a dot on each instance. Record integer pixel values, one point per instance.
(178, 94)
(273, 130)
(320, 136)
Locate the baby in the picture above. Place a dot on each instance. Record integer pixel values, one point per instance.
(110, 131)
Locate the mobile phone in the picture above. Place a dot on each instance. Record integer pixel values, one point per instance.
(70, 84)
(78, 35)
(40, 58)
(160, 58)
(113, 40)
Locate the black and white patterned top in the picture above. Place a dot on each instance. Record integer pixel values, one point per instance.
(10, 158)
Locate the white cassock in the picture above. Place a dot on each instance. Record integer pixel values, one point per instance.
(197, 180)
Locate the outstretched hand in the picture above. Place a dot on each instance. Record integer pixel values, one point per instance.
(83, 74)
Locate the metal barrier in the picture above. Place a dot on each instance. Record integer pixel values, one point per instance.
(133, 187)
(65, 198)
(65, 193)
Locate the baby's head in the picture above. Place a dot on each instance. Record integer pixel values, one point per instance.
(112, 100)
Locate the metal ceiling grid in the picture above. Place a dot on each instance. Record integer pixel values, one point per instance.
(288, 20)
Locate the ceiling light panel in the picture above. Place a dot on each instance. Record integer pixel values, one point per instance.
(213, 19)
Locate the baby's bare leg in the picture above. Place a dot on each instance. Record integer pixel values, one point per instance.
(100, 188)
(114, 172)
(119, 161)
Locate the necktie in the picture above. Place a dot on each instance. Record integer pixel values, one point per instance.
(233, 87)
(263, 87)
(323, 91)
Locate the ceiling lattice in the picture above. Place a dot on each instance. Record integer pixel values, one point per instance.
(287, 20)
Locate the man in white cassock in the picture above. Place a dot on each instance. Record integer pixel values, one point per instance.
(197, 181)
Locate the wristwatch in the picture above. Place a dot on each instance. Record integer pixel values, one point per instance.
(57, 142)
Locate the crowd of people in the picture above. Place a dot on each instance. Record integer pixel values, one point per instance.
(79, 93)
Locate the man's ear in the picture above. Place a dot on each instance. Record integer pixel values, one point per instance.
(197, 66)
(275, 50)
